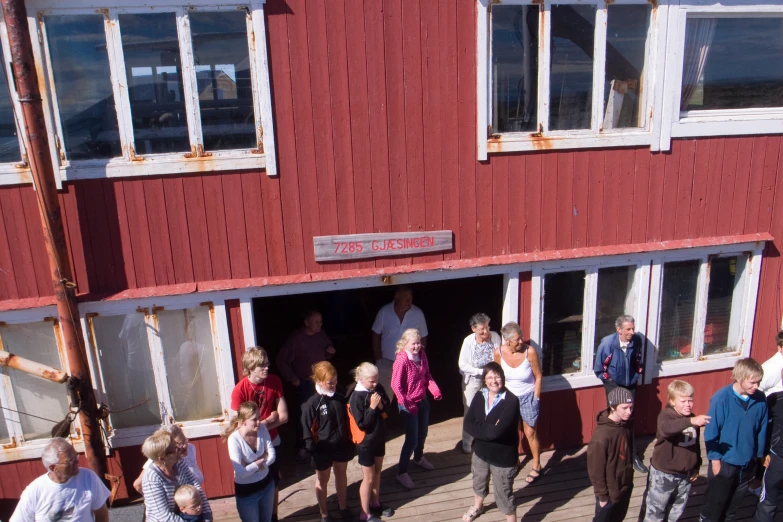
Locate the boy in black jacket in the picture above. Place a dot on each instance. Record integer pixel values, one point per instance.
(676, 456)
(609, 458)
(367, 404)
(772, 492)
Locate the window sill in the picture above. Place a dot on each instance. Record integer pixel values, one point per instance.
(524, 142)
(31, 450)
(690, 366)
(162, 164)
(11, 174)
(569, 382)
(123, 437)
(727, 123)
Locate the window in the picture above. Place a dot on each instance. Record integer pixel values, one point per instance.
(13, 156)
(155, 90)
(586, 84)
(694, 309)
(724, 70)
(31, 405)
(159, 365)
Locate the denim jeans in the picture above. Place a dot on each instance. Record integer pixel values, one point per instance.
(258, 506)
(416, 425)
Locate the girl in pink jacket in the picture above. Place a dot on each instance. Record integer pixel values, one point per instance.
(411, 379)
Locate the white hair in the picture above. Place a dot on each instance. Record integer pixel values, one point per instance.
(51, 453)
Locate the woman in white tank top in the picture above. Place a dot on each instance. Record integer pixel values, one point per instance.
(523, 378)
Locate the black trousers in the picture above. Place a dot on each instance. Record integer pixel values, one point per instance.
(725, 491)
(772, 493)
(612, 512)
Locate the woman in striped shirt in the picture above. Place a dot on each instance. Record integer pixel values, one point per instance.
(161, 479)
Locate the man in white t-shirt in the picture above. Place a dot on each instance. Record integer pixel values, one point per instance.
(65, 493)
(772, 382)
(393, 319)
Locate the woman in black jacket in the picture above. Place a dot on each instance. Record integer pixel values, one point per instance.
(367, 404)
(327, 438)
(492, 421)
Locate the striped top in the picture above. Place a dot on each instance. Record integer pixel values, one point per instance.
(159, 493)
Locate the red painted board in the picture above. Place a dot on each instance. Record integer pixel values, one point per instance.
(707, 187)
(78, 236)
(755, 182)
(276, 246)
(611, 201)
(742, 183)
(466, 108)
(123, 225)
(640, 195)
(504, 223)
(549, 197)
(8, 286)
(655, 196)
(532, 202)
(215, 213)
(200, 244)
(160, 240)
(581, 191)
(682, 209)
(766, 200)
(255, 225)
(513, 169)
(725, 217)
(236, 224)
(564, 202)
(670, 180)
(179, 235)
(449, 156)
(43, 276)
(595, 197)
(236, 336)
(139, 232)
(626, 189)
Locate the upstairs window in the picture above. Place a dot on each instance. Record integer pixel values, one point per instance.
(575, 71)
(136, 88)
(13, 156)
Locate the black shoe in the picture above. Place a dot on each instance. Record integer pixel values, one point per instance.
(382, 511)
(639, 466)
(346, 515)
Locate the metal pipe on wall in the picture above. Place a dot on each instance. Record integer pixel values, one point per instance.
(26, 83)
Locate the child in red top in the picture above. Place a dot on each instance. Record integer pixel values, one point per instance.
(266, 391)
(411, 379)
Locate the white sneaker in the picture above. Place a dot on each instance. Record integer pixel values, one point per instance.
(424, 463)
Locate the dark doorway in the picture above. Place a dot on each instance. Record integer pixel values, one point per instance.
(348, 316)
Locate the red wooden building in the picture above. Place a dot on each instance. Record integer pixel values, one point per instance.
(590, 159)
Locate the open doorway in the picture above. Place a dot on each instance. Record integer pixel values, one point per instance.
(348, 316)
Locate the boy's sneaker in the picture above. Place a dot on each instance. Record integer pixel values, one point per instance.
(381, 511)
(405, 480)
(424, 463)
(639, 466)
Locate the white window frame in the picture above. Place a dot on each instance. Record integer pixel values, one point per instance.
(18, 448)
(19, 172)
(729, 122)
(648, 282)
(263, 156)
(594, 137)
(222, 351)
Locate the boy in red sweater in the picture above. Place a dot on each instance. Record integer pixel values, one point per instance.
(676, 456)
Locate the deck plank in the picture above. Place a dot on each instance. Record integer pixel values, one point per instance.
(562, 494)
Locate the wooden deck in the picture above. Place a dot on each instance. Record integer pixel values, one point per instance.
(562, 493)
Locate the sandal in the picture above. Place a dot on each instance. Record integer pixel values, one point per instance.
(471, 514)
(532, 478)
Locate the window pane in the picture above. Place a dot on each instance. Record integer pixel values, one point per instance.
(189, 353)
(732, 63)
(563, 302)
(34, 395)
(4, 438)
(626, 47)
(678, 303)
(127, 370)
(9, 138)
(724, 298)
(80, 64)
(571, 75)
(225, 90)
(616, 297)
(152, 63)
(514, 68)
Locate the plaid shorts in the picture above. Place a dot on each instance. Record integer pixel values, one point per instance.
(528, 409)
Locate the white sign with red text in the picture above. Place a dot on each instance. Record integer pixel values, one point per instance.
(363, 246)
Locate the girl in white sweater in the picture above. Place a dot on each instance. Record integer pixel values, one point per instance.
(251, 451)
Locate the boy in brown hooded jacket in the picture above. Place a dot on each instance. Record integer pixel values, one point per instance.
(610, 459)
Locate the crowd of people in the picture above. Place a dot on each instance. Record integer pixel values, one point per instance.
(501, 381)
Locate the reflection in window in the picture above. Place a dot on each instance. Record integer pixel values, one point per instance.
(514, 68)
(126, 365)
(626, 47)
(732, 63)
(724, 305)
(188, 350)
(678, 305)
(39, 397)
(225, 93)
(571, 74)
(80, 64)
(563, 302)
(152, 61)
(616, 297)
(9, 139)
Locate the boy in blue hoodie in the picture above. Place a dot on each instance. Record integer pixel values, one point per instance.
(735, 440)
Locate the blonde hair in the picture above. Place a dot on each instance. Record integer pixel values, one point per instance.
(253, 358)
(323, 371)
(157, 445)
(407, 336)
(679, 388)
(246, 411)
(185, 493)
(364, 370)
(174, 429)
(747, 368)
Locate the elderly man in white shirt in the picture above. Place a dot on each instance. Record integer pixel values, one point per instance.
(65, 491)
(477, 350)
(393, 319)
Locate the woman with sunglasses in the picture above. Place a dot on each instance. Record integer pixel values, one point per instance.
(186, 452)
